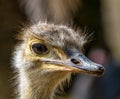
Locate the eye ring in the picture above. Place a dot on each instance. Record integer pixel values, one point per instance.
(39, 48)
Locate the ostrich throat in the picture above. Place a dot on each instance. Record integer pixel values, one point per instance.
(43, 87)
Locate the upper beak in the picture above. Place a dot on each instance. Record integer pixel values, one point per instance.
(79, 63)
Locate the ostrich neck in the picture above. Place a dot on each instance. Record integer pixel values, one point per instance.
(42, 87)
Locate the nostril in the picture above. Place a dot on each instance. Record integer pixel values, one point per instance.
(75, 61)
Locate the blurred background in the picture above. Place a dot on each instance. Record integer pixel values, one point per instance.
(99, 17)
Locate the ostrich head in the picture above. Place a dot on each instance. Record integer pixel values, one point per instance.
(47, 55)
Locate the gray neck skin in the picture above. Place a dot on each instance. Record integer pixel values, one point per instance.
(42, 87)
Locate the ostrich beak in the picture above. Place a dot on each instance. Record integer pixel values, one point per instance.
(83, 65)
(79, 64)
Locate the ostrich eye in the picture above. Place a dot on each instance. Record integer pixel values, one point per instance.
(39, 48)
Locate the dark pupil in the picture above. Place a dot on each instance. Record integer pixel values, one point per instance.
(39, 48)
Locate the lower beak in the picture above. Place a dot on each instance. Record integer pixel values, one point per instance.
(79, 63)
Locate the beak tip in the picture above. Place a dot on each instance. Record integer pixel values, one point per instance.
(100, 71)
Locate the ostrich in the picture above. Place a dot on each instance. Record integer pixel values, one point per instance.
(45, 59)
